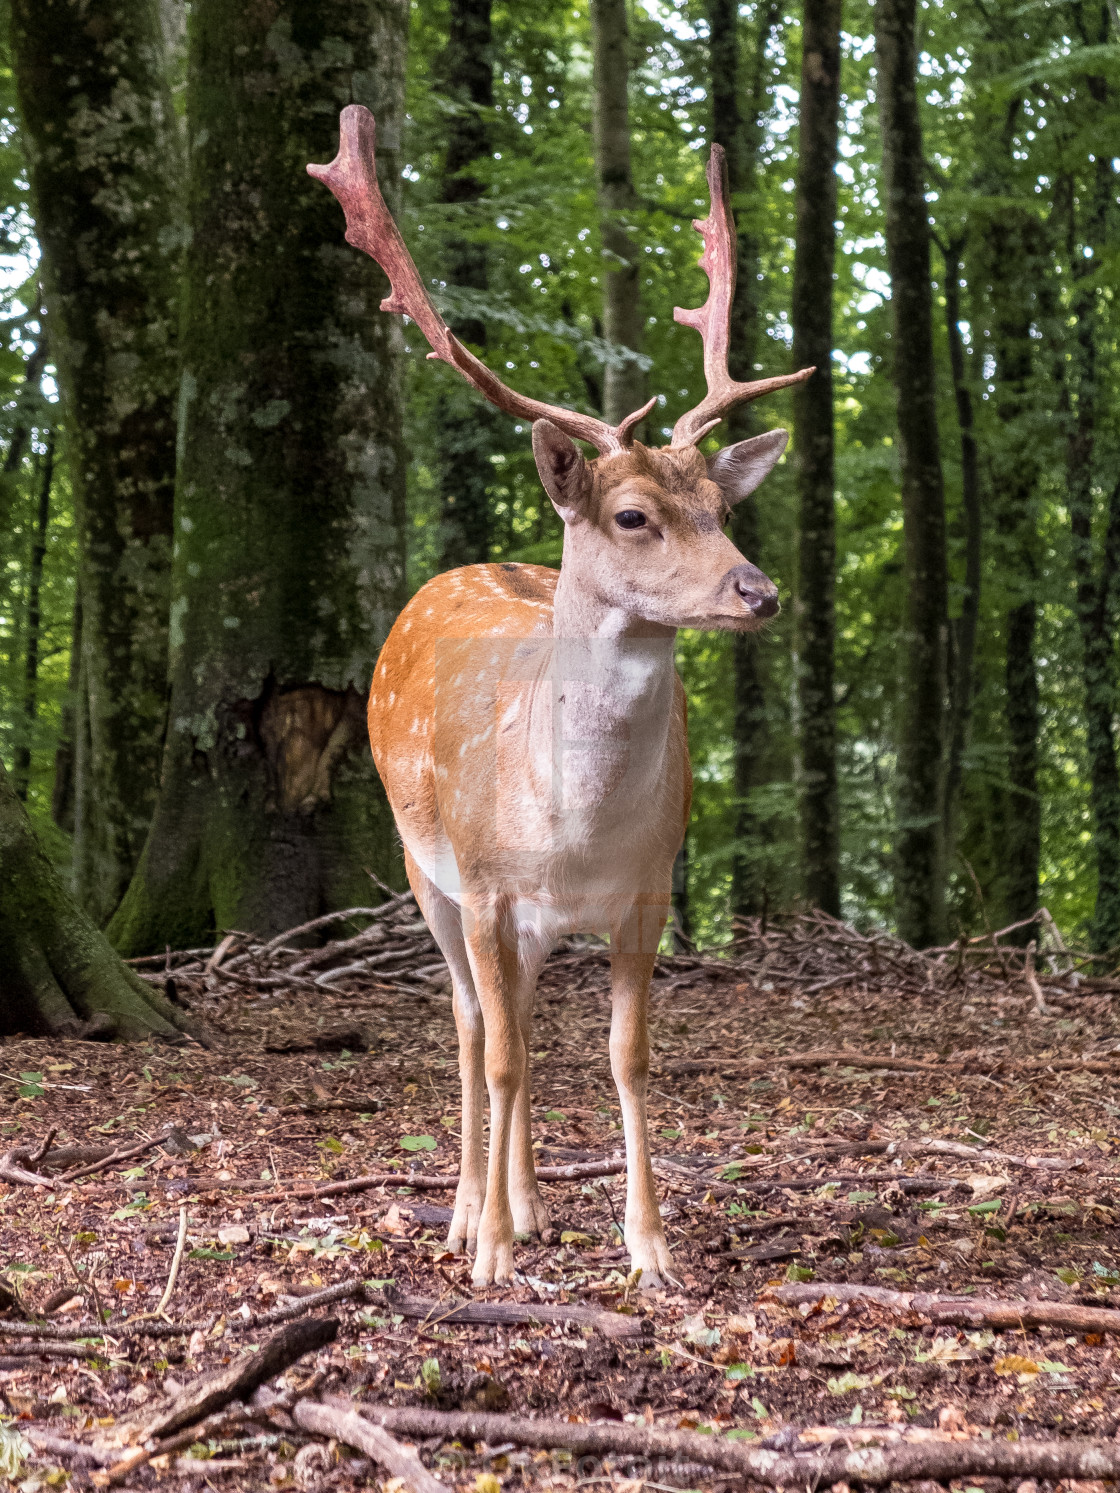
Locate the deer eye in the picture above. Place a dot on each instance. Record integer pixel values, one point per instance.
(630, 518)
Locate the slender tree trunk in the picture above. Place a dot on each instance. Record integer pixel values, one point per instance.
(29, 406)
(1013, 271)
(919, 851)
(58, 972)
(737, 126)
(289, 563)
(1096, 586)
(815, 449)
(466, 432)
(963, 635)
(103, 152)
(21, 769)
(62, 790)
(624, 381)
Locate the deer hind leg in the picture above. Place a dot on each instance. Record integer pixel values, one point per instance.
(530, 1216)
(446, 924)
(631, 971)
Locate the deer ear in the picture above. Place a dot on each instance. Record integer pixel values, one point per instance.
(738, 470)
(565, 474)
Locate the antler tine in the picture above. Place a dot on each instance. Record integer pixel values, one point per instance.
(352, 177)
(713, 319)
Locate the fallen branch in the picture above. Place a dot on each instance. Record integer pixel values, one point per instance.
(964, 1311)
(231, 1415)
(905, 1461)
(214, 1391)
(351, 1428)
(429, 1182)
(516, 1314)
(956, 1063)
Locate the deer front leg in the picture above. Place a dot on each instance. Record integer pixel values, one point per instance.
(645, 1236)
(494, 966)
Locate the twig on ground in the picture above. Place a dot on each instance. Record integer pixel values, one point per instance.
(38, 1156)
(224, 1419)
(964, 1311)
(176, 1261)
(88, 1287)
(354, 1430)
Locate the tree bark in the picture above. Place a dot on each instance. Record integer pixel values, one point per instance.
(815, 603)
(104, 162)
(289, 561)
(21, 759)
(1097, 586)
(624, 381)
(58, 972)
(738, 129)
(964, 630)
(919, 850)
(466, 430)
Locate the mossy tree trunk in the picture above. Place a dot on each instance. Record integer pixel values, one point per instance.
(105, 166)
(58, 971)
(289, 556)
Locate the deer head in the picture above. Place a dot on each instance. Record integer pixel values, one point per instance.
(643, 525)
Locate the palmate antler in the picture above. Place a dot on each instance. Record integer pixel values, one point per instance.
(352, 177)
(713, 319)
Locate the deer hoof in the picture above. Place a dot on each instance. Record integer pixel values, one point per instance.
(493, 1264)
(652, 1257)
(463, 1233)
(530, 1216)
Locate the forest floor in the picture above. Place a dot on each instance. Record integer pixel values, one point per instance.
(1023, 1203)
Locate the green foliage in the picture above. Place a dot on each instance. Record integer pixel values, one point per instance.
(1017, 104)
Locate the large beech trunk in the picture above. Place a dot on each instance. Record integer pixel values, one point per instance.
(58, 971)
(815, 453)
(624, 381)
(466, 429)
(105, 164)
(922, 715)
(289, 517)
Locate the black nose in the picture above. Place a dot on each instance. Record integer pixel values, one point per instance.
(757, 592)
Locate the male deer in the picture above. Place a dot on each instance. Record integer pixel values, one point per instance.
(529, 725)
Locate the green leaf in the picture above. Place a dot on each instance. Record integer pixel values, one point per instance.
(138, 1205)
(862, 1197)
(1068, 1275)
(418, 1142)
(992, 1205)
(239, 1080)
(668, 1134)
(552, 1114)
(799, 1272)
(732, 1172)
(1053, 1367)
(739, 1371)
(740, 1433)
(430, 1375)
(210, 1254)
(848, 1382)
(759, 1408)
(333, 1145)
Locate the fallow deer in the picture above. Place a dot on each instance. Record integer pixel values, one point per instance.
(529, 724)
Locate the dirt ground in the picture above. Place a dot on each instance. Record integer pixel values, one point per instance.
(720, 1354)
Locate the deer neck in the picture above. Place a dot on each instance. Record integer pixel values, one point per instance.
(613, 679)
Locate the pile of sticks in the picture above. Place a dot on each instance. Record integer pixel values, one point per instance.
(392, 950)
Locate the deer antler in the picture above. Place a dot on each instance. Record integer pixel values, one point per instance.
(713, 319)
(352, 177)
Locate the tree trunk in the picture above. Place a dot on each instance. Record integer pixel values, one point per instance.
(919, 850)
(1096, 586)
(62, 790)
(465, 430)
(58, 972)
(21, 768)
(624, 381)
(739, 131)
(103, 153)
(289, 562)
(815, 450)
(964, 630)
